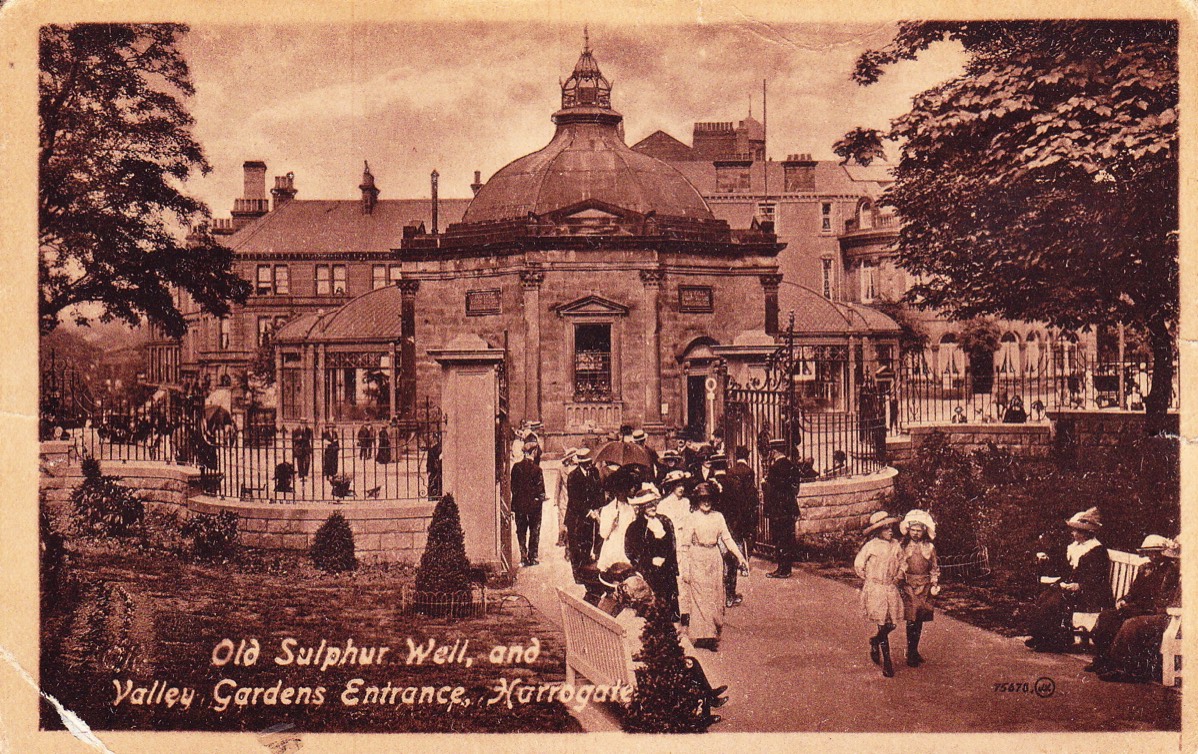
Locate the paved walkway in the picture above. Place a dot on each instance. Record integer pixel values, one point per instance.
(796, 658)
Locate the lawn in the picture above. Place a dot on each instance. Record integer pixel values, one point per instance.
(127, 612)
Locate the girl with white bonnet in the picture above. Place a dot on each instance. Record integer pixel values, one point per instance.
(921, 577)
(879, 564)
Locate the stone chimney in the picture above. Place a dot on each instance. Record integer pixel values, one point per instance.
(284, 190)
(478, 181)
(798, 172)
(370, 192)
(253, 203)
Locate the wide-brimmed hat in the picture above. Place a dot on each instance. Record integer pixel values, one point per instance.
(638, 435)
(878, 520)
(716, 460)
(677, 475)
(530, 447)
(1087, 520)
(704, 491)
(568, 456)
(648, 494)
(917, 516)
(616, 574)
(583, 455)
(671, 455)
(1173, 550)
(1154, 543)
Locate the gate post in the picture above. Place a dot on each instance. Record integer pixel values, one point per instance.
(469, 401)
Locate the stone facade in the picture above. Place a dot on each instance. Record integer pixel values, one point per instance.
(843, 504)
(1026, 440)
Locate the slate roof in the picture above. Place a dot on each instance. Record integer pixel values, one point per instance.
(320, 226)
(817, 316)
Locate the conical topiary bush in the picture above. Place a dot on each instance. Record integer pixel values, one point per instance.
(443, 579)
(333, 546)
(666, 699)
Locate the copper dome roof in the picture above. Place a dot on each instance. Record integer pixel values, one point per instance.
(587, 159)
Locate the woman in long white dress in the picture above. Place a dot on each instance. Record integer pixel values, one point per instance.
(614, 520)
(709, 538)
(677, 508)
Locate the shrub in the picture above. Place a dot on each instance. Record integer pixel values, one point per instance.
(666, 699)
(102, 506)
(444, 574)
(53, 555)
(213, 536)
(333, 547)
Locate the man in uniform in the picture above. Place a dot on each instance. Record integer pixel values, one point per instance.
(528, 493)
(781, 508)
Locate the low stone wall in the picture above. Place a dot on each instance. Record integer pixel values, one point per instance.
(843, 504)
(159, 484)
(1092, 435)
(384, 532)
(1025, 440)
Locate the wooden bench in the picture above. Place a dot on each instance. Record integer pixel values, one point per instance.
(596, 644)
(1171, 650)
(1125, 566)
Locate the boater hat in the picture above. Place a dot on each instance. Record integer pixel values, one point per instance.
(778, 443)
(648, 494)
(638, 435)
(583, 455)
(1088, 520)
(878, 520)
(917, 516)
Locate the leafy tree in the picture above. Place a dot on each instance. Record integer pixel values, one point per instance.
(117, 229)
(980, 335)
(1042, 183)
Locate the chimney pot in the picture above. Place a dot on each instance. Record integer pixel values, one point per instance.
(478, 181)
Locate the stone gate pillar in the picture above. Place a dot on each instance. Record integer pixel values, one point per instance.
(470, 401)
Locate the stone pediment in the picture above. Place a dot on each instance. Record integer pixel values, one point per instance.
(592, 209)
(592, 306)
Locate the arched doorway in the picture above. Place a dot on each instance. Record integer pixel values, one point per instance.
(698, 388)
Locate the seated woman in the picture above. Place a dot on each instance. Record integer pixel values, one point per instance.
(1134, 654)
(1015, 413)
(1149, 594)
(1085, 587)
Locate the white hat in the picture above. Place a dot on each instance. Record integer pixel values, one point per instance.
(917, 516)
(638, 435)
(648, 494)
(1155, 542)
(878, 520)
(677, 475)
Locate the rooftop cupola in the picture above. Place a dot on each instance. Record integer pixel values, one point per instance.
(370, 193)
(586, 95)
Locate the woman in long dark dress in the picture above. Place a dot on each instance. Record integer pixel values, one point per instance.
(1135, 653)
(1086, 587)
(384, 442)
(652, 549)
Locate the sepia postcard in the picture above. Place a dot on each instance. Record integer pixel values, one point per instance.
(652, 376)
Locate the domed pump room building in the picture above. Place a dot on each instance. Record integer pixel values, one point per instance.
(600, 273)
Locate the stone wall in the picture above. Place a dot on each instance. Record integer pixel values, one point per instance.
(843, 504)
(384, 532)
(1024, 440)
(1092, 435)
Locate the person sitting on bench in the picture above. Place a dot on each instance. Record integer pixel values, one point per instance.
(1086, 587)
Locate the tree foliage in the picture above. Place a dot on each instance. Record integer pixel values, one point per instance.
(115, 148)
(333, 547)
(1042, 183)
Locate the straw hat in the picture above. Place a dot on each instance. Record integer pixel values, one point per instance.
(917, 516)
(1173, 550)
(677, 475)
(1155, 543)
(583, 455)
(1088, 520)
(878, 520)
(638, 435)
(647, 495)
(778, 443)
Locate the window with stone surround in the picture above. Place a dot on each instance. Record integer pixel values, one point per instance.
(592, 362)
(825, 217)
(324, 282)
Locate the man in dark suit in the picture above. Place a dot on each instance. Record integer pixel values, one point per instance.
(739, 506)
(301, 448)
(781, 508)
(528, 493)
(584, 492)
